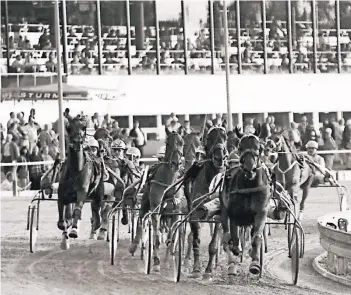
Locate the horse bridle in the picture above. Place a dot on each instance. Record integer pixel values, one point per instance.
(254, 153)
(173, 152)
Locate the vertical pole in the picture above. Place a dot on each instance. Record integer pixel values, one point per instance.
(264, 30)
(337, 21)
(129, 38)
(59, 81)
(212, 36)
(314, 32)
(99, 37)
(157, 26)
(290, 36)
(14, 178)
(227, 70)
(64, 36)
(7, 35)
(238, 30)
(185, 36)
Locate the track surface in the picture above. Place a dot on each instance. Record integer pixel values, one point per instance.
(85, 267)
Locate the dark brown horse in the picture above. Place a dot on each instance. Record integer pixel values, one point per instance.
(291, 171)
(245, 201)
(198, 180)
(81, 177)
(161, 176)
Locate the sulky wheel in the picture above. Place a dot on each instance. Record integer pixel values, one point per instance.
(177, 252)
(147, 244)
(302, 243)
(33, 226)
(290, 227)
(113, 239)
(295, 255)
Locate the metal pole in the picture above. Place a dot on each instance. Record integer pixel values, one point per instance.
(59, 81)
(238, 30)
(7, 35)
(185, 36)
(64, 36)
(338, 47)
(264, 30)
(212, 36)
(227, 70)
(99, 37)
(157, 27)
(314, 32)
(290, 37)
(129, 40)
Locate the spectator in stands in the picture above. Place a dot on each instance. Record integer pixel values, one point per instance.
(12, 119)
(312, 147)
(173, 117)
(2, 136)
(327, 124)
(24, 142)
(13, 130)
(32, 134)
(329, 145)
(46, 156)
(54, 148)
(266, 129)
(44, 40)
(186, 129)
(36, 171)
(10, 152)
(128, 140)
(116, 131)
(107, 120)
(249, 128)
(7, 184)
(22, 171)
(51, 64)
(18, 65)
(138, 136)
(303, 129)
(346, 143)
(95, 120)
(45, 136)
(294, 135)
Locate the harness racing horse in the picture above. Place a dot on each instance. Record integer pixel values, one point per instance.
(161, 176)
(292, 172)
(81, 177)
(197, 182)
(245, 201)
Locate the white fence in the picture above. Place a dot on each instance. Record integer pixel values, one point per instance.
(335, 242)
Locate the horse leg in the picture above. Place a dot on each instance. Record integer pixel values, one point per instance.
(258, 228)
(77, 213)
(188, 252)
(233, 250)
(305, 191)
(212, 252)
(156, 266)
(106, 208)
(95, 219)
(61, 221)
(195, 228)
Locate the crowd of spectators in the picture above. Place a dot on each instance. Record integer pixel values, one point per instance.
(83, 50)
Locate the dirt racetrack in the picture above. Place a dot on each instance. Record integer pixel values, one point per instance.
(85, 268)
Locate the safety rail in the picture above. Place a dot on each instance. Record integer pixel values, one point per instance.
(15, 165)
(335, 241)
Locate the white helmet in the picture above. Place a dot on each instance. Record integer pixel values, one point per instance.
(161, 152)
(118, 144)
(312, 144)
(92, 142)
(133, 151)
(200, 150)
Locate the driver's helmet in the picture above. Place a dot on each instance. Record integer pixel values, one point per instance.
(133, 153)
(92, 142)
(200, 150)
(118, 144)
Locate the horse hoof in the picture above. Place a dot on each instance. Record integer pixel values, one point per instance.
(231, 279)
(73, 233)
(101, 236)
(64, 244)
(92, 236)
(196, 274)
(255, 268)
(132, 248)
(233, 270)
(207, 277)
(61, 225)
(124, 220)
(156, 268)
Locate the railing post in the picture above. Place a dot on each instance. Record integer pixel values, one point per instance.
(14, 176)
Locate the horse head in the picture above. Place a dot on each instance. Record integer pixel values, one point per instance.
(215, 147)
(76, 130)
(250, 149)
(174, 149)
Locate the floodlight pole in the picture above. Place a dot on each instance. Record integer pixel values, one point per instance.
(59, 82)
